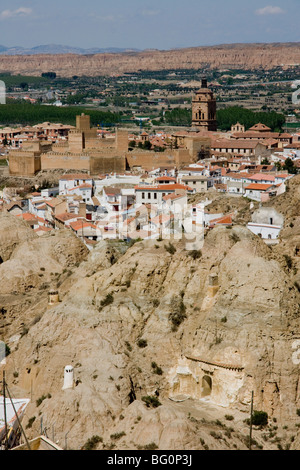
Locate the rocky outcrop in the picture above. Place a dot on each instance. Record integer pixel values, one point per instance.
(167, 345)
(164, 346)
(30, 267)
(247, 56)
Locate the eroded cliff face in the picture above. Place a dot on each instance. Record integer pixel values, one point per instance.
(248, 56)
(199, 333)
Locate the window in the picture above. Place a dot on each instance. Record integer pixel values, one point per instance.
(155, 195)
(143, 195)
(149, 195)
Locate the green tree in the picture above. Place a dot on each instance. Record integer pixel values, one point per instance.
(51, 75)
(290, 167)
(179, 117)
(24, 86)
(231, 115)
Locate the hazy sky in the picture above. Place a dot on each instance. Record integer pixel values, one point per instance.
(141, 24)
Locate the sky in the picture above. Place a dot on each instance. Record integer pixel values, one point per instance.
(145, 24)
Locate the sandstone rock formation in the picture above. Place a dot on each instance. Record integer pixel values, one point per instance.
(194, 335)
(248, 56)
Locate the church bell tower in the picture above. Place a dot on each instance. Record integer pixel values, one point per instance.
(204, 109)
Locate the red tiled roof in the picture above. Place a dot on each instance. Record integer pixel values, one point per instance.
(28, 217)
(193, 169)
(237, 175)
(259, 127)
(233, 144)
(79, 225)
(111, 191)
(65, 216)
(165, 178)
(226, 220)
(259, 186)
(13, 204)
(262, 177)
(54, 202)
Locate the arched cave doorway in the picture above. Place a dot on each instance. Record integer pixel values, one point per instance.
(206, 386)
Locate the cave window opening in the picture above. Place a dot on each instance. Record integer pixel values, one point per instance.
(206, 386)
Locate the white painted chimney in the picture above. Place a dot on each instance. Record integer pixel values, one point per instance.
(68, 378)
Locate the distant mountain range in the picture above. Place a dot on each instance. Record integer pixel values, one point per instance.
(59, 49)
(93, 63)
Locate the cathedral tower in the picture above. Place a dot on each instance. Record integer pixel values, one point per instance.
(204, 109)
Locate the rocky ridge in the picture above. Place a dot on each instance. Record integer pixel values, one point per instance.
(242, 56)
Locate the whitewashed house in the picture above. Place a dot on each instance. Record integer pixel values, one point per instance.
(266, 223)
(71, 181)
(260, 192)
(155, 194)
(85, 191)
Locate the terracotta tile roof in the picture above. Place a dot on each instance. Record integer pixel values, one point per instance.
(43, 229)
(259, 127)
(65, 216)
(226, 220)
(54, 202)
(41, 206)
(28, 217)
(165, 178)
(13, 204)
(111, 191)
(262, 177)
(259, 186)
(238, 175)
(195, 170)
(233, 144)
(295, 145)
(79, 225)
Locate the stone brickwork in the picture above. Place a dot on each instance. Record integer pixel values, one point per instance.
(86, 151)
(204, 109)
